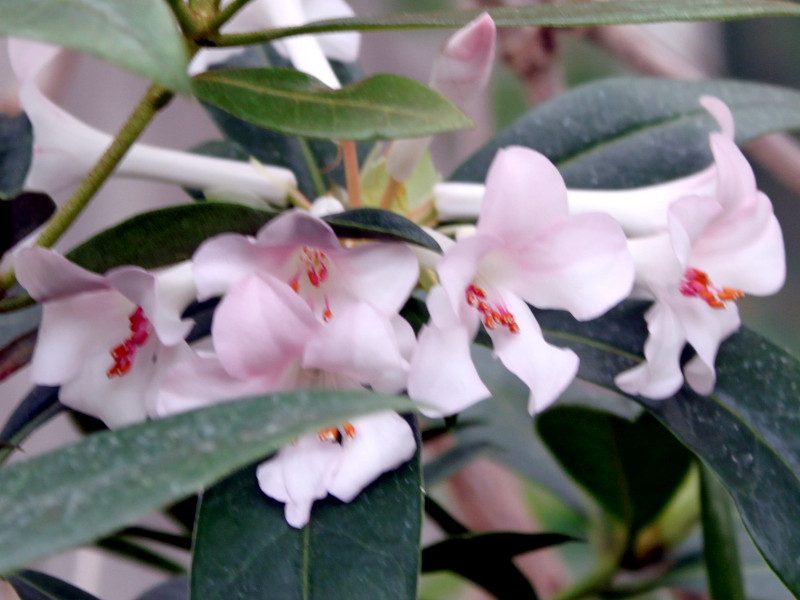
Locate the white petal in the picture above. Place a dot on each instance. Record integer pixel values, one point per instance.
(382, 442)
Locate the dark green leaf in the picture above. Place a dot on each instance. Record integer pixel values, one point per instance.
(621, 133)
(374, 223)
(746, 431)
(380, 107)
(36, 409)
(631, 469)
(165, 236)
(20, 215)
(720, 551)
(140, 554)
(485, 558)
(170, 539)
(175, 589)
(366, 549)
(78, 493)
(16, 149)
(33, 585)
(576, 14)
(140, 36)
(453, 460)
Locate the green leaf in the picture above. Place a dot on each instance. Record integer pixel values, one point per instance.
(140, 554)
(16, 149)
(169, 235)
(366, 549)
(622, 133)
(140, 36)
(485, 558)
(176, 588)
(374, 223)
(631, 469)
(380, 107)
(36, 409)
(75, 494)
(33, 585)
(746, 431)
(579, 14)
(720, 548)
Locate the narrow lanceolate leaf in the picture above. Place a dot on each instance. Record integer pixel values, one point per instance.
(746, 431)
(16, 149)
(485, 558)
(37, 408)
(363, 550)
(33, 585)
(720, 550)
(169, 235)
(84, 491)
(374, 223)
(574, 14)
(621, 133)
(380, 107)
(140, 36)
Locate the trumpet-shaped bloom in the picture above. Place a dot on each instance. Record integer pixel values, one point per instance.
(715, 250)
(460, 73)
(308, 53)
(300, 311)
(65, 148)
(526, 248)
(106, 339)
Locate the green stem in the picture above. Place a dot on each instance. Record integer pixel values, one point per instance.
(225, 14)
(313, 168)
(154, 99)
(184, 17)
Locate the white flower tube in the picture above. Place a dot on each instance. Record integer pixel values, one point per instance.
(65, 148)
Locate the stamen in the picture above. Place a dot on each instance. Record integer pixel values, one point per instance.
(697, 283)
(124, 353)
(334, 434)
(492, 315)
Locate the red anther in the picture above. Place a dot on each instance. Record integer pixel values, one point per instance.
(120, 367)
(491, 315)
(295, 284)
(313, 277)
(697, 283)
(329, 434)
(140, 337)
(323, 270)
(349, 430)
(121, 351)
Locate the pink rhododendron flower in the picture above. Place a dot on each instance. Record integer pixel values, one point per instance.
(301, 311)
(716, 249)
(526, 248)
(106, 339)
(460, 73)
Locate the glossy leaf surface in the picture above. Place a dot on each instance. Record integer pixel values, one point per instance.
(126, 473)
(365, 549)
(380, 107)
(621, 133)
(140, 36)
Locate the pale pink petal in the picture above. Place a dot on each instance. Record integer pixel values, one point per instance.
(525, 194)
(382, 273)
(655, 261)
(382, 442)
(76, 327)
(462, 70)
(720, 111)
(28, 57)
(547, 370)
(226, 259)
(162, 296)
(459, 267)
(260, 326)
(659, 376)
(580, 264)
(298, 228)
(688, 220)
(48, 276)
(360, 343)
(298, 475)
(200, 380)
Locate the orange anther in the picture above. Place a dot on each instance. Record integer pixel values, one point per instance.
(349, 430)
